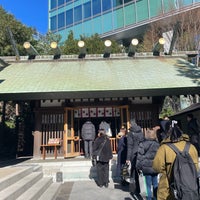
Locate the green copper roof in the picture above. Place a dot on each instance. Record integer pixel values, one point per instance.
(98, 78)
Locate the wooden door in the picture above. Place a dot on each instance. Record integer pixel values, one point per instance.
(71, 144)
(124, 121)
(125, 116)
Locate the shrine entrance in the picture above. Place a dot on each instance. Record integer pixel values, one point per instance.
(65, 124)
(74, 118)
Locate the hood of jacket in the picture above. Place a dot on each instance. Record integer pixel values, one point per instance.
(135, 128)
(184, 137)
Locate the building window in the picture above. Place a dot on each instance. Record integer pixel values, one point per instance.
(96, 7)
(87, 10)
(106, 5)
(61, 2)
(78, 13)
(116, 3)
(127, 1)
(53, 4)
(53, 23)
(61, 20)
(69, 17)
(67, 1)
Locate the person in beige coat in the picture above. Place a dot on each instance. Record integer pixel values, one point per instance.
(165, 157)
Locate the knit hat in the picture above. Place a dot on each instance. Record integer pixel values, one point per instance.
(132, 122)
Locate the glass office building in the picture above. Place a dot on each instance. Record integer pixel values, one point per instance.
(109, 18)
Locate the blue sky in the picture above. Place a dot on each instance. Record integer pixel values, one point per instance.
(32, 13)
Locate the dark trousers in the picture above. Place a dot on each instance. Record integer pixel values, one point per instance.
(102, 173)
(88, 148)
(134, 186)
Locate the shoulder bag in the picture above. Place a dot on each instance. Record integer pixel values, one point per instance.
(95, 157)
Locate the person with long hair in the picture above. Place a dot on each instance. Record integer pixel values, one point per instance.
(165, 157)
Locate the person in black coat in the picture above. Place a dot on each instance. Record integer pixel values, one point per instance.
(102, 143)
(146, 153)
(135, 136)
(121, 150)
(193, 130)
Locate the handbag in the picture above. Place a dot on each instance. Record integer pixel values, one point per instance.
(95, 157)
(126, 172)
(143, 185)
(94, 160)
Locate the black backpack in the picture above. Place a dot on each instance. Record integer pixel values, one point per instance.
(184, 178)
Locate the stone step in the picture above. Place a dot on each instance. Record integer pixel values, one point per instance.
(13, 191)
(74, 170)
(36, 190)
(51, 192)
(13, 174)
(35, 167)
(26, 181)
(83, 174)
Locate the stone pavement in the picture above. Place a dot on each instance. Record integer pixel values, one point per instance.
(83, 190)
(88, 190)
(74, 190)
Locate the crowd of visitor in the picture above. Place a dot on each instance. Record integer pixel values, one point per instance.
(149, 155)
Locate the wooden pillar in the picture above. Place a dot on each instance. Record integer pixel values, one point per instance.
(65, 133)
(128, 118)
(37, 134)
(36, 145)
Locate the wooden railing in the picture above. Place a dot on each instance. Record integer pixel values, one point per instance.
(113, 142)
(46, 149)
(79, 146)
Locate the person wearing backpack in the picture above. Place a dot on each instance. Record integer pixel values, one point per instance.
(166, 162)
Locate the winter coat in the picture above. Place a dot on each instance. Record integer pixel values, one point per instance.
(134, 137)
(88, 131)
(122, 150)
(193, 131)
(106, 152)
(163, 163)
(146, 153)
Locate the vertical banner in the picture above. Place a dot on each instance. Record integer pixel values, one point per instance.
(85, 112)
(93, 112)
(101, 112)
